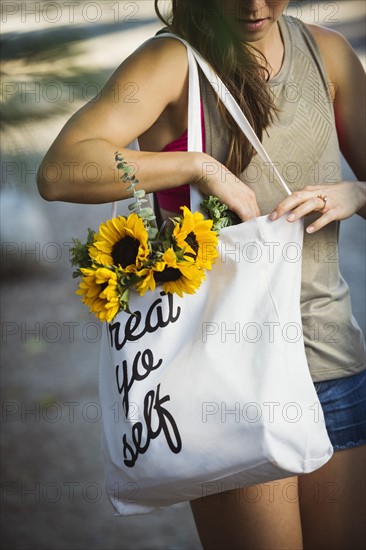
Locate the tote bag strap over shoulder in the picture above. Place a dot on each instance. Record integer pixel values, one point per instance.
(194, 129)
(194, 115)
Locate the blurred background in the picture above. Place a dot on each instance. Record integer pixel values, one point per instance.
(56, 56)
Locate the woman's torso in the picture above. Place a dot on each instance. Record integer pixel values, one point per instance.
(303, 142)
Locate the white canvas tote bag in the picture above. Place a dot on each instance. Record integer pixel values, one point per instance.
(211, 392)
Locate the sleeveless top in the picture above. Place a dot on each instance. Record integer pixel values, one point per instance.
(303, 143)
(172, 199)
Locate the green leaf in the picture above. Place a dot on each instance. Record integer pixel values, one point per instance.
(145, 212)
(152, 231)
(79, 253)
(219, 213)
(134, 206)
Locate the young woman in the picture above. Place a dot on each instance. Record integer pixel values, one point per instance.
(302, 87)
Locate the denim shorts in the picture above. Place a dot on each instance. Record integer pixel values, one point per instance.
(344, 406)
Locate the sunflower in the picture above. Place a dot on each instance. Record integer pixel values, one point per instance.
(99, 288)
(195, 236)
(122, 242)
(146, 282)
(178, 276)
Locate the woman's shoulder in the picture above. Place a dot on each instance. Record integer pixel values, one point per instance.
(161, 47)
(336, 51)
(327, 38)
(159, 65)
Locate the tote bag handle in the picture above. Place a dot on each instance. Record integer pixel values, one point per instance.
(194, 115)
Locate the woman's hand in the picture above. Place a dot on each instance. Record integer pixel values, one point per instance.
(334, 202)
(215, 179)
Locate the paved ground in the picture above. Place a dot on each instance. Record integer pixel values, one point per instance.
(52, 471)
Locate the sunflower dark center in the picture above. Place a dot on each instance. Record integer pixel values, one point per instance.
(124, 252)
(168, 274)
(191, 240)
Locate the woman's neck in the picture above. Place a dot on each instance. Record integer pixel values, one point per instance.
(272, 47)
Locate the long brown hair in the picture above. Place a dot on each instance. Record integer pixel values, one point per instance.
(205, 27)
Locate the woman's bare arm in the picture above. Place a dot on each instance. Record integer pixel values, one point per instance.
(79, 166)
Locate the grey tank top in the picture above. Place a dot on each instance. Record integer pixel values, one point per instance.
(303, 143)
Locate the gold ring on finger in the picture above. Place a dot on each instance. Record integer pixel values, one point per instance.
(324, 198)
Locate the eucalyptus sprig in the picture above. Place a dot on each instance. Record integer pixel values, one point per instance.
(145, 213)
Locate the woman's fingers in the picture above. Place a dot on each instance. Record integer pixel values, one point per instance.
(237, 196)
(300, 204)
(246, 207)
(334, 202)
(321, 222)
(240, 199)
